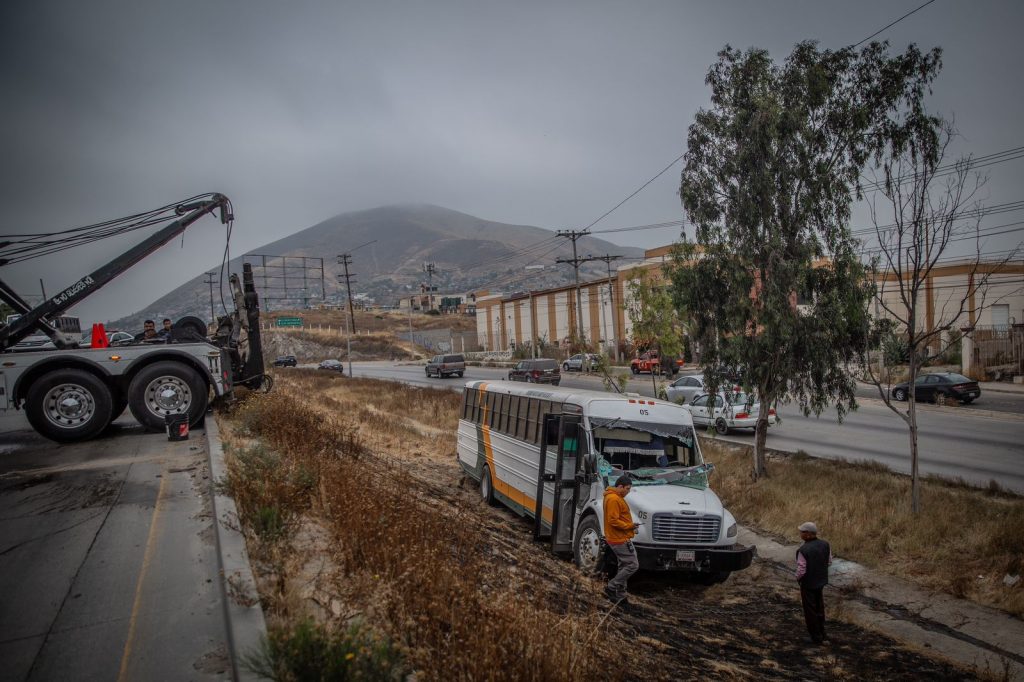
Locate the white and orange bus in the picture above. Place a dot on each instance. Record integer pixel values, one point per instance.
(548, 453)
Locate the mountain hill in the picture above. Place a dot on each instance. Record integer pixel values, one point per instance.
(390, 246)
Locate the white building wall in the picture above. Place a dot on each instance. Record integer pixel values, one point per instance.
(561, 316)
(543, 330)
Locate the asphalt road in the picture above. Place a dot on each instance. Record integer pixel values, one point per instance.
(108, 565)
(977, 443)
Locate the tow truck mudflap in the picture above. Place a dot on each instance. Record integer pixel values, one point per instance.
(704, 560)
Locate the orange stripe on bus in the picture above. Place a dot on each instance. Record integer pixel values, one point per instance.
(514, 494)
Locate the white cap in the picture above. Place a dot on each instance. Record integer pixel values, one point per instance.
(808, 527)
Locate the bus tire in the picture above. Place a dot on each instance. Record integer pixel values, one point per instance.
(586, 546)
(68, 405)
(165, 388)
(487, 487)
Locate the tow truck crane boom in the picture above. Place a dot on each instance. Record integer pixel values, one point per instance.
(36, 318)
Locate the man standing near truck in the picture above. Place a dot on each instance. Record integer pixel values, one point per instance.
(619, 530)
(812, 561)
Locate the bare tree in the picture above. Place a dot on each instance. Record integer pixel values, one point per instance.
(923, 210)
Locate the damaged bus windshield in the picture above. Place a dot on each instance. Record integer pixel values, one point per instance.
(652, 454)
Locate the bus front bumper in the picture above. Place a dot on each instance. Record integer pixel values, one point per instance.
(697, 559)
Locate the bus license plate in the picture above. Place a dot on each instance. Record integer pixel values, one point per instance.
(684, 555)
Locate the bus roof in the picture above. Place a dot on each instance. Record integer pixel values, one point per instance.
(577, 396)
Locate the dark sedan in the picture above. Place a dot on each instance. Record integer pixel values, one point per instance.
(332, 365)
(950, 385)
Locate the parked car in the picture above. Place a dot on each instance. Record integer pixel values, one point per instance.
(446, 365)
(730, 411)
(539, 371)
(930, 386)
(652, 361)
(685, 389)
(285, 361)
(575, 363)
(332, 365)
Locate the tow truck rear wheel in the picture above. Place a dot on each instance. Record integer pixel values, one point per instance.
(586, 548)
(68, 405)
(166, 388)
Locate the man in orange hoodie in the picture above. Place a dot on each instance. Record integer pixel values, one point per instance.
(619, 530)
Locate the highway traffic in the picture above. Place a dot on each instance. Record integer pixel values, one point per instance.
(980, 443)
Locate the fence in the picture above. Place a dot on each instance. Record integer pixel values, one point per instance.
(999, 346)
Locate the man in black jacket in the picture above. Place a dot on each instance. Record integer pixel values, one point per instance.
(812, 561)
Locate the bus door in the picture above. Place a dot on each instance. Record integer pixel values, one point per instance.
(560, 466)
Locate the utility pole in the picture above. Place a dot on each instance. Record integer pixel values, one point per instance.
(209, 280)
(429, 269)
(608, 258)
(573, 235)
(345, 260)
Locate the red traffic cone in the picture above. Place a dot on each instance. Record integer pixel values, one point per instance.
(99, 336)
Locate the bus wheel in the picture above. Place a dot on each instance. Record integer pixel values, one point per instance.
(68, 405)
(486, 487)
(586, 549)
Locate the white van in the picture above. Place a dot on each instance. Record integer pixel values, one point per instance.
(548, 453)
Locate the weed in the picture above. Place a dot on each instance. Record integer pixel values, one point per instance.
(309, 651)
(864, 511)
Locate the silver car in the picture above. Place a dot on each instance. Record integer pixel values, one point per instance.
(731, 411)
(684, 389)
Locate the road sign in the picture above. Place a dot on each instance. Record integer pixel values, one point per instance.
(289, 322)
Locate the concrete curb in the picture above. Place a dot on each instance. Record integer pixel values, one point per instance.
(974, 636)
(246, 625)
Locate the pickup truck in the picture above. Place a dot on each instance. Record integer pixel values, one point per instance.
(652, 362)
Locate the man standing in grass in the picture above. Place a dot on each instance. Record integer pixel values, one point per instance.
(812, 561)
(619, 530)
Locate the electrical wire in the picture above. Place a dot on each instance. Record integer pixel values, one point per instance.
(890, 25)
(640, 189)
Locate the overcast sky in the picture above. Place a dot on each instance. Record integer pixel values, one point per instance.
(539, 113)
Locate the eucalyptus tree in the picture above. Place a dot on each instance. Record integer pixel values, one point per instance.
(773, 281)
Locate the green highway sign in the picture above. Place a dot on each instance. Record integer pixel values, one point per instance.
(289, 322)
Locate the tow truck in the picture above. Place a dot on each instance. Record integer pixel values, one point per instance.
(72, 393)
(652, 362)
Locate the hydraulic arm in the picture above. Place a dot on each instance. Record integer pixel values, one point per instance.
(36, 318)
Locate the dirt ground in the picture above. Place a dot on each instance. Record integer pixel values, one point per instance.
(750, 627)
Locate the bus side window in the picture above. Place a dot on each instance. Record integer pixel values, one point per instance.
(489, 403)
(531, 421)
(543, 410)
(503, 416)
(552, 435)
(513, 415)
(521, 423)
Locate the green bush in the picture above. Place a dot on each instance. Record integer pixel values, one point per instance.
(308, 651)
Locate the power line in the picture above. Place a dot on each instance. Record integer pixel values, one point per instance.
(641, 188)
(888, 26)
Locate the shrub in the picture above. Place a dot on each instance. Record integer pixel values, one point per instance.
(308, 651)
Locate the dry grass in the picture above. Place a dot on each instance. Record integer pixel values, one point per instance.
(413, 559)
(964, 542)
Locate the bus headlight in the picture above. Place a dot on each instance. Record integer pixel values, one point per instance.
(731, 533)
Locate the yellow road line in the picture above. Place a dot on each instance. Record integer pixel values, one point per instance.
(146, 560)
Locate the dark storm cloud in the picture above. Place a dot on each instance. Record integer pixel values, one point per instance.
(532, 113)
